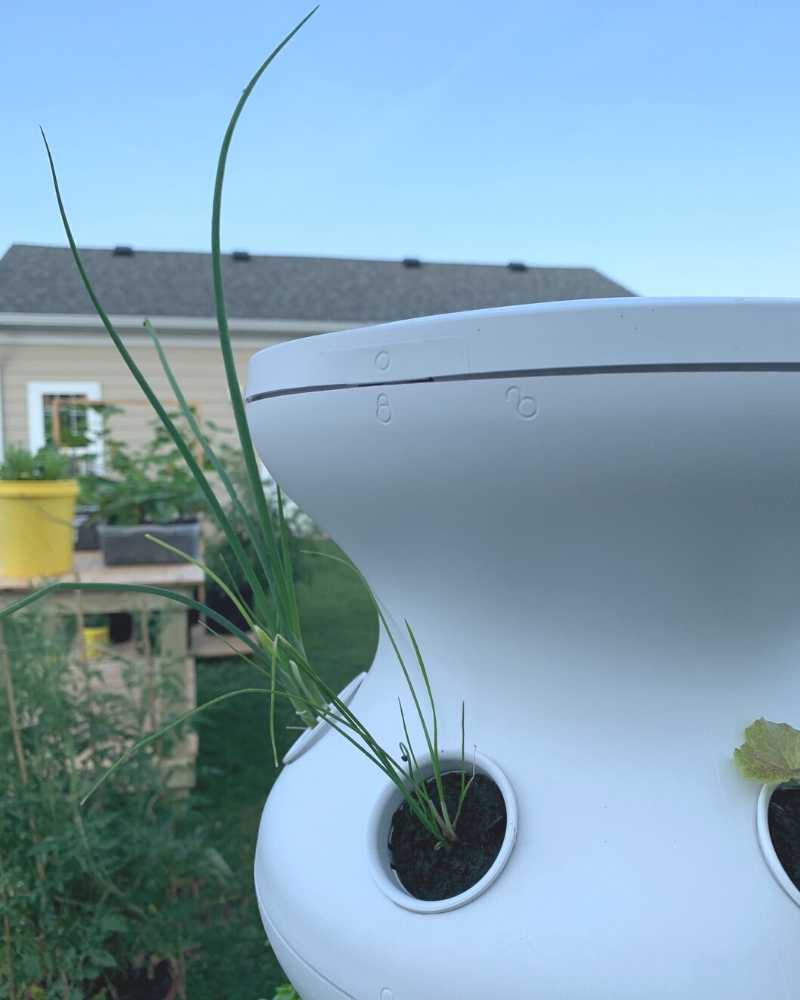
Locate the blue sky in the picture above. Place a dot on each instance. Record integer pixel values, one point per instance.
(658, 142)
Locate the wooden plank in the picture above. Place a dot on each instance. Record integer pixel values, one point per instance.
(90, 568)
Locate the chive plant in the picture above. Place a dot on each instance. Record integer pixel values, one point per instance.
(274, 643)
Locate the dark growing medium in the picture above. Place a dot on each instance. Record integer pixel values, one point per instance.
(430, 871)
(784, 829)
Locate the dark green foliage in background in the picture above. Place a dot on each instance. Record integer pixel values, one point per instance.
(134, 874)
(86, 892)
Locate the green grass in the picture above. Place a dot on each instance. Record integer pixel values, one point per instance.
(231, 958)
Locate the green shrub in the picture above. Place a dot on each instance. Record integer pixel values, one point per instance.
(45, 464)
(86, 894)
(147, 485)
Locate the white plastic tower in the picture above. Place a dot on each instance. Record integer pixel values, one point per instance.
(590, 514)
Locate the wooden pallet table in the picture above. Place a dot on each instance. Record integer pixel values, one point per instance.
(174, 651)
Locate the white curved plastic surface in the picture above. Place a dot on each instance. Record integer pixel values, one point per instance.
(628, 331)
(611, 585)
(305, 979)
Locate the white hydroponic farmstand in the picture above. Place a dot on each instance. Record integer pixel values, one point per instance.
(590, 514)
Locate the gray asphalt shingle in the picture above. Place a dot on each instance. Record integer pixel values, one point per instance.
(41, 279)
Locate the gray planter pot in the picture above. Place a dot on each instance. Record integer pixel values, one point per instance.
(86, 537)
(128, 546)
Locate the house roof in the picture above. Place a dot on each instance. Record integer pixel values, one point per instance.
(42, 279)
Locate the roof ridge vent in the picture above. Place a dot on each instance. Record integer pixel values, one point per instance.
(122, 251)
(412, 262)
(517, 265)
(240, 255)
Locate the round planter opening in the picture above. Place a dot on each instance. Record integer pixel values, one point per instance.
(309, 737)
(405, 864)
(778, 824)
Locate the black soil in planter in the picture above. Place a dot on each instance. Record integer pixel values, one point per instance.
(784, 829)
(431, 872)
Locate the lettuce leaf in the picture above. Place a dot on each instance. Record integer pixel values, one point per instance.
(770, 752)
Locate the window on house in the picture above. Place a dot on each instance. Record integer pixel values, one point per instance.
(60, 414)
(66, 420)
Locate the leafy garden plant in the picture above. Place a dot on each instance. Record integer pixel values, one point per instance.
(257, 545)
(46, 464)
(148, 485)
(93, 899)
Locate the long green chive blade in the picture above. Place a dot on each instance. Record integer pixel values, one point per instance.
(226, 641)
(294, 672)
(167, 422)
(291, 596)
(392, 770)
(433, 748)
(283, 586)
(434, 740)
(463, 742)
(261, 610)
(412, 757)
(426, 731)
(237, 402)
(211, 457)
(273, 687)
(236, 600)
(426, 679)
(461, 800)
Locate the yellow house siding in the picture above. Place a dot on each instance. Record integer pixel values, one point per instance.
(198, 368)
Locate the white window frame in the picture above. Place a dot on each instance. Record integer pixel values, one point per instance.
(94, 420)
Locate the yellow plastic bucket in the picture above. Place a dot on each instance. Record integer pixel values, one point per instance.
(96, 638)
(36, 527)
